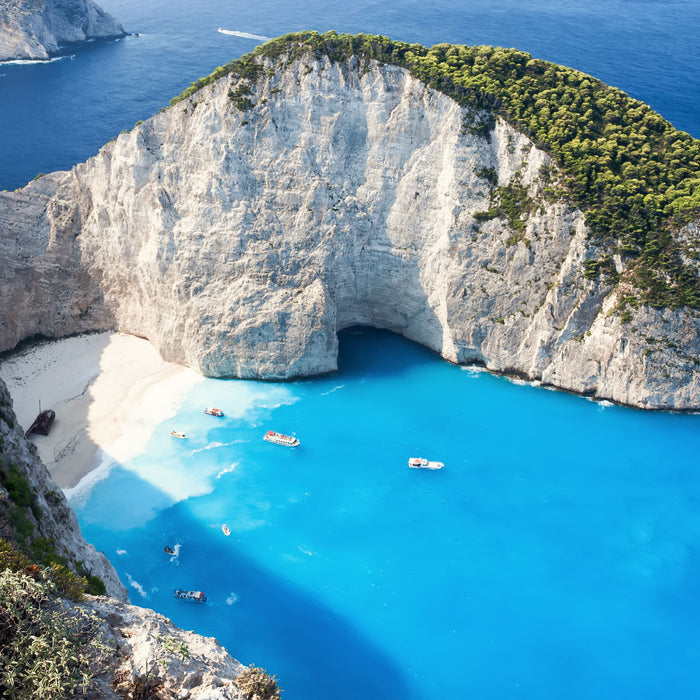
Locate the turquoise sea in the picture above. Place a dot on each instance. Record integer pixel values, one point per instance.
(556, 556)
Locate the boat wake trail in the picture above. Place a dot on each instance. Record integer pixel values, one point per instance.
(136, 586)
(33, 61)
(335, 388)
(227, 470)
(244, 35)
(214, 444)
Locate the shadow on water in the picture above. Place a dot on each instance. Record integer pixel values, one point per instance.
(261, 618)
(367, 350)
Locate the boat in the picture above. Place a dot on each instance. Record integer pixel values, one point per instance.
(225, 529)
(423, 463)
(192, 596)
(214, 412)
(168, 550)
(177, 434)
(280, 439)
(42, 423)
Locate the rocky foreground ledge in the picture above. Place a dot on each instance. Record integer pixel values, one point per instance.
(35, 29)
(147, 651)
(243, 227)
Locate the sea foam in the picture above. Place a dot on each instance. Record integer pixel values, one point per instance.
(244, 35)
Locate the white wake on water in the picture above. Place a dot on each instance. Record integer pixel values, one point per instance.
(227, 470)
(28, 62)
(214, 444)
(335, 388)
(137, 586)
(244, 35)
(78, 495)
(175, 556)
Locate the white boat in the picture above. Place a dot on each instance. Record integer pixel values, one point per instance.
(225, 529)
(423, 463)
(214, 412)
(280, 439)
(177, 434)
(192, 596)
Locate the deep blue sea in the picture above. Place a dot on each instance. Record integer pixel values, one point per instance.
(557, 555)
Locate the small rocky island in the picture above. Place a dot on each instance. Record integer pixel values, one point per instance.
(35, 29)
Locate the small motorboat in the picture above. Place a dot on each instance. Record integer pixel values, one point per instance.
(225, 529)
(214, 412)
(422, 463)
(280, 439)
(177, 434)
(168, 550)
(191, 596)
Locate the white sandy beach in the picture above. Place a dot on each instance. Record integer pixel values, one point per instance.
(109, 392)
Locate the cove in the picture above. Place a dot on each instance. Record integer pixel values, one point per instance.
(554, 555)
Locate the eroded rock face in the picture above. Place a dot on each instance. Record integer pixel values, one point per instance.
(240, 242)
(34, 29)
(53, 519)
(179, 664)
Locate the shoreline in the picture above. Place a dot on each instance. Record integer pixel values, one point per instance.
(109, 391)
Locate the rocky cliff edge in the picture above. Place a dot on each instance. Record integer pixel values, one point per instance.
(242, 228)
(35, 29)
(142, 653)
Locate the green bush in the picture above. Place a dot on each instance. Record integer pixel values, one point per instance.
(47, 653)
(68, 584)
(12, 559)
(22, 525)
(257, 684)
(95, 586)
(17, 486)
(633, 175)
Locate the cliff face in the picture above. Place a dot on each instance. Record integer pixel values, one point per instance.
(34, 29)
(243, 227)
(144, 644)
(139, 645)
(52, 517)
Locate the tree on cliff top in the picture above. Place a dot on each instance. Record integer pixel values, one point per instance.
(633, 175)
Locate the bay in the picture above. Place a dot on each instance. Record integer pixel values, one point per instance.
(555, 555)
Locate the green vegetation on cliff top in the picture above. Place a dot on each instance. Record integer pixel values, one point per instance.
(636, 177)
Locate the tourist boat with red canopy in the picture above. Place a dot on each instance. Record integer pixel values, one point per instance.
(191, 596)
(280, 439)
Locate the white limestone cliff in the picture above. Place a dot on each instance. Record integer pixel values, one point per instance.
(35, 29)
(240, 242)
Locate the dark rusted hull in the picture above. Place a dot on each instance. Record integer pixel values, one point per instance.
(42, 423)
